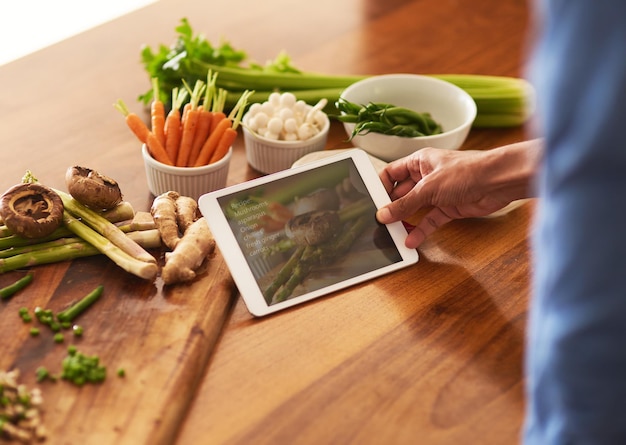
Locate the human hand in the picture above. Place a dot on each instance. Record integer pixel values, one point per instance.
(450, 184)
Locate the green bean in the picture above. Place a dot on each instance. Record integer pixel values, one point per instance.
(408, 131)
(9, 291)
(347, 107)
(386, 119)
(350, 118)
(369, 126)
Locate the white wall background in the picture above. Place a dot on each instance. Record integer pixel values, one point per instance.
(29, 25)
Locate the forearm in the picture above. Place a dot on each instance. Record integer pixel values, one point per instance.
(510, 170)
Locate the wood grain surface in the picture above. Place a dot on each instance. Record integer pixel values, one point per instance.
(429, 355)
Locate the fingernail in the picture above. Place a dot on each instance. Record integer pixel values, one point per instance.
(383, 215)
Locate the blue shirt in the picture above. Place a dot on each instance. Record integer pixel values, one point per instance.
(576, 355)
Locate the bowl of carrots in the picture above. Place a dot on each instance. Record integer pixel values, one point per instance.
(281, 130)
(188, 149)
(187, 181)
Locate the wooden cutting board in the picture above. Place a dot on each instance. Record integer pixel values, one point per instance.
(161, 336)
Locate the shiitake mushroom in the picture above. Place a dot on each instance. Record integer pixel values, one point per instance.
(313, 228)
(94, 190)
(31, 210)
(321, 199)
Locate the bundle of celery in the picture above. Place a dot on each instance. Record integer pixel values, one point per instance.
(501, 101)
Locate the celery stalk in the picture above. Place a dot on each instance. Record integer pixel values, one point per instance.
(192, 56)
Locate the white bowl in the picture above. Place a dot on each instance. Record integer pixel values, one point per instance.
(187, 181)
(448, 105)
(270, 156)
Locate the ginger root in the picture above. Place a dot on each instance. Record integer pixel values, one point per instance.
(163, 211)
(186, 212)
(194, 247)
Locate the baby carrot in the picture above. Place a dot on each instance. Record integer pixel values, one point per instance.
(183, 115)
(156, 150)
(143, 133)
(206, 152)
(172, 123)
(188, 132)
(190, 123)
(230, 132)
(218, 108)
(204, 119)
(202, 133)
(218, 116)
(157, 113)
(227, 139)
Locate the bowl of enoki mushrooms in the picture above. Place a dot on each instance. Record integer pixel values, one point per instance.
(281, 130)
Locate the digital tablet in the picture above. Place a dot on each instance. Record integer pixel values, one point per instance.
(305, 232)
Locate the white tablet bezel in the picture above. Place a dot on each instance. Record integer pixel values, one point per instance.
(229, 246)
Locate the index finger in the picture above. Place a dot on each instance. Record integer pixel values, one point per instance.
(396, 172)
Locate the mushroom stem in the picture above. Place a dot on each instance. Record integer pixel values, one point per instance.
(121, 212)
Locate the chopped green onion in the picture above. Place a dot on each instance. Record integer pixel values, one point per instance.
(42, 374)
(78, 330)
(79, 368)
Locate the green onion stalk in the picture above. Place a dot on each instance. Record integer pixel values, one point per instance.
(80, 369)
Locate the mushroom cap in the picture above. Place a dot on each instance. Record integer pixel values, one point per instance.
(31, 210)
(320, 199)
(313, 228)
(92, 189)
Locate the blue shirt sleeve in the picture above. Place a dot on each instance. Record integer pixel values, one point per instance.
(576, 354)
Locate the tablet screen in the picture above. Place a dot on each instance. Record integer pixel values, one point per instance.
(305, 232)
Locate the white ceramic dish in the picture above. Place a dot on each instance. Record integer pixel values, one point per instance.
(270, 156)
(187, 181)
(448, 104)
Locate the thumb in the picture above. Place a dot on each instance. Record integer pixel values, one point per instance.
(400, 209)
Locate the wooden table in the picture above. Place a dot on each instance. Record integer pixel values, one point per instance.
(430, 355)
